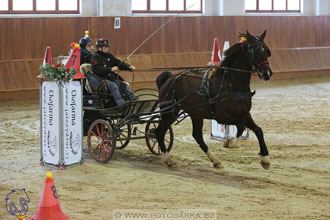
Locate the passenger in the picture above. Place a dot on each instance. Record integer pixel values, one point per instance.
(106, 66)
(85, 50)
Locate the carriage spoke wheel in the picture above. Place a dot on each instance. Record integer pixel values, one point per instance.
(101, 143)
(151, 139)
(123, 135)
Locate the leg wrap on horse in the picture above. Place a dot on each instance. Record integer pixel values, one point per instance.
(214, 160)
(265, 162)
(167, 160)
(231, 143)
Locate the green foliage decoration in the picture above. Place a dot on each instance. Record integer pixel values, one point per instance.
(57, 72)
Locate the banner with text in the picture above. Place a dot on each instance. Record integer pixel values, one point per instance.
(72, 122)
(50, 123)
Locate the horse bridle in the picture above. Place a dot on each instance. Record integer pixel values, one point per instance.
(254, 69)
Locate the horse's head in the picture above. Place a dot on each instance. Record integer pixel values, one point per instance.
(258, 54)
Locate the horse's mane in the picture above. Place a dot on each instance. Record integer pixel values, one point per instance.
(231, 54)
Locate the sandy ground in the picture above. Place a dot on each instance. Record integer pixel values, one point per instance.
(295, 118)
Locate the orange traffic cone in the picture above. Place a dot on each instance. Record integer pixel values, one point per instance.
(49, 206)
(47, 59)
(74, 61)
(216, 57)
(48, 56)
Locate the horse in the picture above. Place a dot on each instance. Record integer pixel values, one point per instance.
(222, 93)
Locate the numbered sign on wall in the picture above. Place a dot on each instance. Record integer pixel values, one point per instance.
(117, 23)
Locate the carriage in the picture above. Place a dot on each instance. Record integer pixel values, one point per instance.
(109, 127)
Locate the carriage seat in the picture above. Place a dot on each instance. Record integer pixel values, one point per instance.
(85, 69)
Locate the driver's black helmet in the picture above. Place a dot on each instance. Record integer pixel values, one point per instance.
(84, 41)
(102, 43)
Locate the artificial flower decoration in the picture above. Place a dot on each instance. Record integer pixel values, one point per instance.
(242, 40)
(58, 72)
(73, 44)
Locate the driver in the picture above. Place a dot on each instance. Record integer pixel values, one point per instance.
(106, 66)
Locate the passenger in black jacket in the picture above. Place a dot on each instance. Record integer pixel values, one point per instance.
(106, 66)
(85, 50)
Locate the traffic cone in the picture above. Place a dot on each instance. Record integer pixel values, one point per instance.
(225, 47)
(47, 59)
(48, 56)
(216, 57)
(74, 61)
(49, 205)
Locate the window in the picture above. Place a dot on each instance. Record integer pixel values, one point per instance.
(39, 6)
(272, 6)
(166, 6)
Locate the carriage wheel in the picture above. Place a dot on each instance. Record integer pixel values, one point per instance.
(146, 93)
(151, 139)
(101, 143)
(123, 135)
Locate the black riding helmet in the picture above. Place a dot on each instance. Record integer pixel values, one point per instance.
(84, 41)
(102, 43)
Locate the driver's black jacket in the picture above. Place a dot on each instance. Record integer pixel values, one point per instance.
(102, 64)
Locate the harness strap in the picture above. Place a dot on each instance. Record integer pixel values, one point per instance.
(204, 89)
(204, 92)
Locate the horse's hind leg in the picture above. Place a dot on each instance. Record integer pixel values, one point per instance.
(265, 162)
(198, 135)
(164, 124)
(234, 141)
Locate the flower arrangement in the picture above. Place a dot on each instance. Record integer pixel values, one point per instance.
(57, 72)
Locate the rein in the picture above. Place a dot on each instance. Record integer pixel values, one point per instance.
(196, 68)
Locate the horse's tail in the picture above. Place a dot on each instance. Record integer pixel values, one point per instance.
(161, 79)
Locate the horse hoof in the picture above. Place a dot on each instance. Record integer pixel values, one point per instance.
(218, 166)
(265, 162)
(266, 166)
(170, 163)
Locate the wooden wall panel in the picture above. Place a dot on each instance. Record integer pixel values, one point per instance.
(26, 38)
(21, 75)
(23, 41)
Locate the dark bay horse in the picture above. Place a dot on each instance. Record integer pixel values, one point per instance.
(222, 94)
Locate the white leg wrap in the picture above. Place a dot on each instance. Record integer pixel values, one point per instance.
(265, 159)
(265, 162)
(214, 160)
(231, 143)
(167, 160)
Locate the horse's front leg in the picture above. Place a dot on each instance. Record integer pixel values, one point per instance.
(265, 162)
(198, 135)
(165, 122)
(234, 141)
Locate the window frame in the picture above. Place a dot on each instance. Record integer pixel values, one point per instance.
(274, 11)
(35, 11)
(167, 11)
